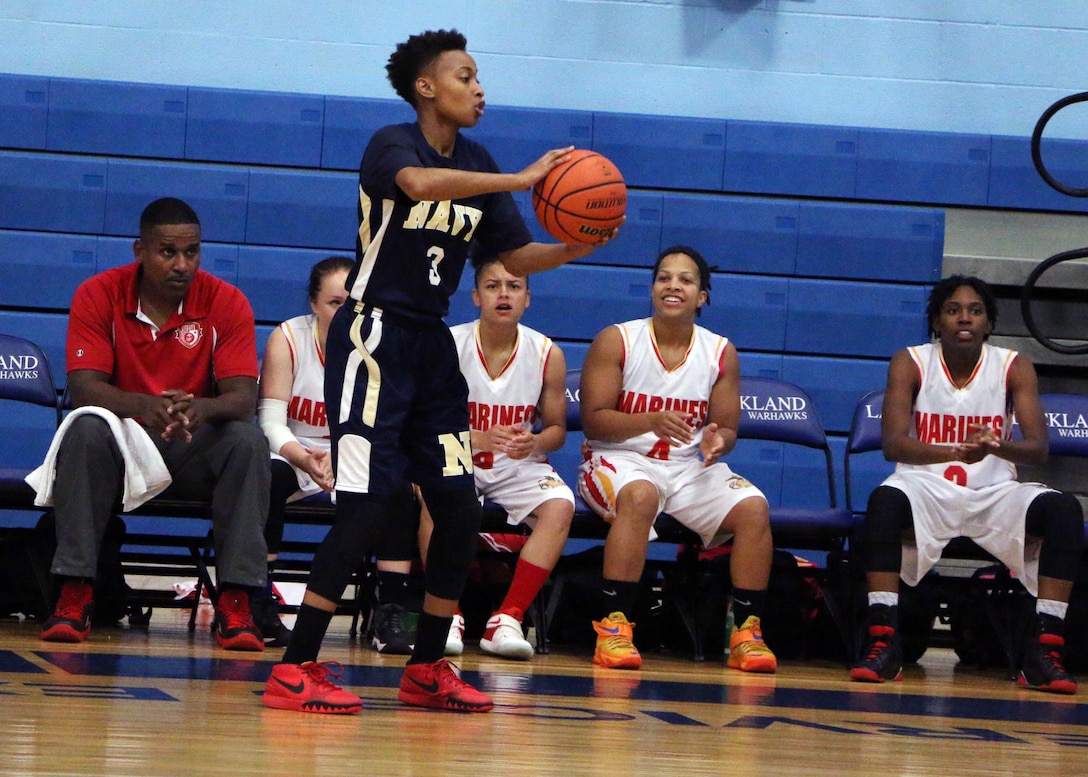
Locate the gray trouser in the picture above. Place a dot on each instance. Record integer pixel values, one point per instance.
(226, 463)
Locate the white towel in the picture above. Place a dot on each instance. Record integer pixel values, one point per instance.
(146, 475)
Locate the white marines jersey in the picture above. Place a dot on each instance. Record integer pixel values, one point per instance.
(942, 412)
(649, 387)
(510, 398)
(306, 411)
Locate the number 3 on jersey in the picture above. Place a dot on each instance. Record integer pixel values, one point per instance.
(437, 255)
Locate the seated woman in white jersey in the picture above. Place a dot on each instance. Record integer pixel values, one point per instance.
(660, 404)
(947, 423)
(516, 380)
(292, 414)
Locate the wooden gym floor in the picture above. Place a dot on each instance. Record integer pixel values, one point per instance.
(168, 702)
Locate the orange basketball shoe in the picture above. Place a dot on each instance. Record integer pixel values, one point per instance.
(615, 648)
(747, 650)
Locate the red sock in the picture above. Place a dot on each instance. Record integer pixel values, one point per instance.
(527, 582)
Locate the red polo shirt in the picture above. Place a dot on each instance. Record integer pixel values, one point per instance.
(212, 337)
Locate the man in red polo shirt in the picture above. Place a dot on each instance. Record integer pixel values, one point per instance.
(173, 347)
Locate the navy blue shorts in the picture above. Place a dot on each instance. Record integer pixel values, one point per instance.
(397, 404)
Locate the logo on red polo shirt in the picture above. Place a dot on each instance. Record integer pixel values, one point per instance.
(189, 334)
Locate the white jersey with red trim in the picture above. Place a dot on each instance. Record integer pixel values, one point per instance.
(943, 413)
(648, 386)
(306, 416)
(512, 397)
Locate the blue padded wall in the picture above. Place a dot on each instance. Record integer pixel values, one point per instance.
(669, 152)
(834, 384)
(794, 159)
(1014, 182)
(575, 353)
(760, 365)
(349, 123)
(854, 318)
(940, 167)
(110, 117)
(263, 331)
(517, 137)
(266, 128)
(870, 242)
(309, 209)
(575, 302)
(24, 104)
(750, 310)
(216, 192)
(735, 234)
(52, 193)
(274, 280)
(43, 269)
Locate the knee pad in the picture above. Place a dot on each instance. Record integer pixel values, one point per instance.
(457, 516)
(1059, 520)
(887, 516)
(400, 540)
(360, 521)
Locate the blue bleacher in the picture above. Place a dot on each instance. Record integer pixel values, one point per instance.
(671, 152)
(1014, 182)
(43, 269)
(735, 234)
(852, 318)
(265, 128)
(575, 302)
(791, 159)
(216, 192)
(760, 365)
(639, 239)
(835, 384)
(751, 310)
(52, 193)
(306, 209)
(517, 137)
(274, 280)
(349, 123)
(905, 166)
(24, 104)
(870, 242)
(122, 119)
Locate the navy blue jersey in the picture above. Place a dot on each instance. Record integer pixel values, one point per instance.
(409, 255)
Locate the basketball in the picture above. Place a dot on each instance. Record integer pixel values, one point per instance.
(581, 199)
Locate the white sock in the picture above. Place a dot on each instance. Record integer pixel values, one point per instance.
(1051, 607)
(889, 598)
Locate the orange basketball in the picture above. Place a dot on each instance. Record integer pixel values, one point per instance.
(581, 199)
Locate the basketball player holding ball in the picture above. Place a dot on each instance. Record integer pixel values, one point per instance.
(398, 405)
